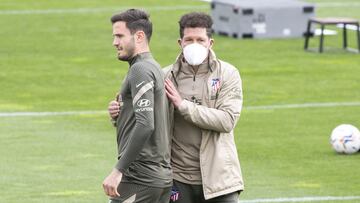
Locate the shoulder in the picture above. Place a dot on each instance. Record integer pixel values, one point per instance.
(146, 64)
(142, 69)
(227, 66)
(228, 71)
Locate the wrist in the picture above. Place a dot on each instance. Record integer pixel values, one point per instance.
(117, 173)
(181, 104)
(113, 121)
(178, 103)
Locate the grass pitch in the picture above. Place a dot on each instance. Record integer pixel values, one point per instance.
(57, 56)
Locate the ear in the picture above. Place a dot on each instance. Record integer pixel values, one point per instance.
(179, 42)
(140, 36)
(211, 42)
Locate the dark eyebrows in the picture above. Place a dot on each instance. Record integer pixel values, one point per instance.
(118, 35)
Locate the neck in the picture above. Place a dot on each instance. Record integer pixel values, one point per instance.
(141, 49)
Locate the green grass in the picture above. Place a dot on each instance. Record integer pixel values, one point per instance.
(288, 153)
(65, 62)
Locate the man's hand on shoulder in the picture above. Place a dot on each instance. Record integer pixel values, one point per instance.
(172, 93)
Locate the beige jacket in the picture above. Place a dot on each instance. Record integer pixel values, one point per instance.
(217, 117)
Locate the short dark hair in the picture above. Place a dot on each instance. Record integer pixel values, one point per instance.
(135, 20)
(196, 19)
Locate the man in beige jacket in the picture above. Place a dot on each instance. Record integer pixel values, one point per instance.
(206, 94)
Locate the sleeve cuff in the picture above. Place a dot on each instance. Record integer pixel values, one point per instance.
(119, 167)
(182, 106)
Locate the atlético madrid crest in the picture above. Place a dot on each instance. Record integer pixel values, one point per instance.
(215, 84)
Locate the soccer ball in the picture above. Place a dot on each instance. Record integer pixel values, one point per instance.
(345, 138)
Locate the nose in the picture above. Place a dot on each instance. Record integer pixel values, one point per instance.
(116, 42)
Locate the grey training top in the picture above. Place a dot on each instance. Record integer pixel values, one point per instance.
(143, 135)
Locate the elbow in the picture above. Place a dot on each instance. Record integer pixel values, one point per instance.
(151, 130)
(229, 124)
(151, 127)
(228, 127)
(147, 128)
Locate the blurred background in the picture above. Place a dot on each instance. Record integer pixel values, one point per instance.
(59, 70)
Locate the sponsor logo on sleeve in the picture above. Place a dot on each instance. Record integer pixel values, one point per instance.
(144, 105)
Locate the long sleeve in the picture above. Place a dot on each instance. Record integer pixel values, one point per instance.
(142, 82)
(223, 118)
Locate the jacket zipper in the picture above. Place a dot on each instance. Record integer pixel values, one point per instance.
(173, 75)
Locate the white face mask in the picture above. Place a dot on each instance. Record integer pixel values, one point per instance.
(195, 53)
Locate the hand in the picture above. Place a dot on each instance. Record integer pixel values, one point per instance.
(112, 182)
(114, 109)
(172, 93)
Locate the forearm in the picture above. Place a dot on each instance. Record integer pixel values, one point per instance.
(136, 143)
(220, 120)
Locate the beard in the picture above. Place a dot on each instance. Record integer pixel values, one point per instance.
(128, 50)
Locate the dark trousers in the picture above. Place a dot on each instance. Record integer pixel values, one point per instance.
(135, 193)
(194, 194)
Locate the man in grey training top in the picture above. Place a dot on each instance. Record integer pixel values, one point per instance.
(140, 114)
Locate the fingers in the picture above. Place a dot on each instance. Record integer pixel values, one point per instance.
(114, 108)
(167, 93)
(168, 81)
(114, 103)
(172, 93)
(169, 86)
(171, 96)
(110, 191)
(114, 114)
(111, 183)
(117, 193)
(106, 189)
(113, 192)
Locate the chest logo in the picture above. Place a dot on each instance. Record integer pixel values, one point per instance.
(143, 103)
(215, 84)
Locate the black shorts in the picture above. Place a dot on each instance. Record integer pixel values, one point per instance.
(135, 193)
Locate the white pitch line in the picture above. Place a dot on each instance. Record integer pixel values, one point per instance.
(60, 113)
(305, 105)
(98, 10)
(266, 107)
(302, 199)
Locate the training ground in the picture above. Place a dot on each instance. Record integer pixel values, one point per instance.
(58, 71)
